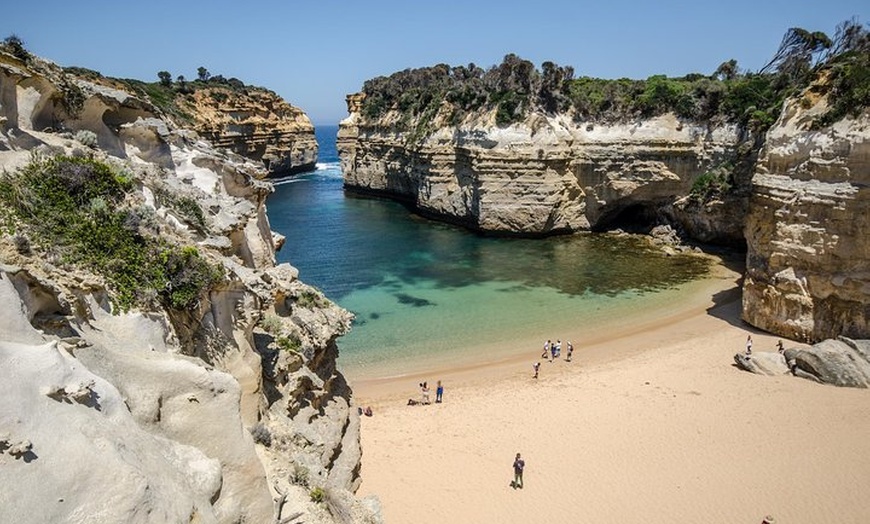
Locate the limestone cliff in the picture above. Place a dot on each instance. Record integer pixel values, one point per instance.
(227, 410)
(545, 174)
(254, 123)
(515, 151)
(808, 265)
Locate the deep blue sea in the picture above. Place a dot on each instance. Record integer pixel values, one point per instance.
(423, 291)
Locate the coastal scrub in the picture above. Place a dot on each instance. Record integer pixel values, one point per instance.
(75, 212)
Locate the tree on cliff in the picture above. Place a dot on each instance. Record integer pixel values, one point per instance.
(182, 86)
(554, 87)
(165, 78)
(202, 74)
(727, 70)
(799, 51)
(14, 45)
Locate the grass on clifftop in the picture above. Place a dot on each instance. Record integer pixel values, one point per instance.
(73, 212)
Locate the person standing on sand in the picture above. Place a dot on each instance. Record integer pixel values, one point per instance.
(439, 391)
(748, 345)
(519, 465)
(424, 390)
(546, 350)
(536, 366)
(570, 352)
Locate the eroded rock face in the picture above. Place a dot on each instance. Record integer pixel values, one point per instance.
(842, 362)
(545, 175)
(147, 415)
(93, 461)
(257, 124)
(808, 261)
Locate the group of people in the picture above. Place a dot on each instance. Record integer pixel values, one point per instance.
(424, 394)
(552, 351)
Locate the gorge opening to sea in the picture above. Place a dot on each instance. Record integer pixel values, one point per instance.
(429, 295)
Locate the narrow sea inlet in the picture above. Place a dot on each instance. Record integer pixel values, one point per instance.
(427, 294)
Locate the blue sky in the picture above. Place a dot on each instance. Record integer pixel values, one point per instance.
(314, 53)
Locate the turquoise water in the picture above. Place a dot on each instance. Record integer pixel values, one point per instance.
(423, 291)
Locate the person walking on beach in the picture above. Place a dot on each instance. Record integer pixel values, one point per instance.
(536, 366)
(439, 392)
(570, 352)
(519, 465)
(748, 345)
(546, 352)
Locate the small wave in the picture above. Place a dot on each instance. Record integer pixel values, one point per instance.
(329, 172)
(286, 180)
(323, 166)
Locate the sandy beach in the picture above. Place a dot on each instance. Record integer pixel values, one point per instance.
(651, 423)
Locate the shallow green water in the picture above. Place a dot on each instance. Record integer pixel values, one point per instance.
(426, 291)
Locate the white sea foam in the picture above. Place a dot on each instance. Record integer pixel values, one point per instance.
(285, 180)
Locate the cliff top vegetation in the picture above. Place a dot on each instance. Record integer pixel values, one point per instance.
(167, 94)
(78, 212)
(516, 88)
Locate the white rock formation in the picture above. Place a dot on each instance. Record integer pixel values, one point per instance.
(146, 415)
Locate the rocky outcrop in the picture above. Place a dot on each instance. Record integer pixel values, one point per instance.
(762, 363)
(257, 124)
(808, 261)
(547, 174)
(153, 414)
(843, 362)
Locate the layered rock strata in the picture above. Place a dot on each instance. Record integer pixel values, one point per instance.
(161, 415)
(256, 124)
(808, 261)
(547, 174)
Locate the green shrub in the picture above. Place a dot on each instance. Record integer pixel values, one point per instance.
(271, 324)
(716, 181)
(186, 207)
(662, 94)
(289, 343)
(309, 300)
(317, 495)
(507, 108)
(187, 276)
(75, 207)
(87, 138)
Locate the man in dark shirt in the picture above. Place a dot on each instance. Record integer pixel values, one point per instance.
(519, 464)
